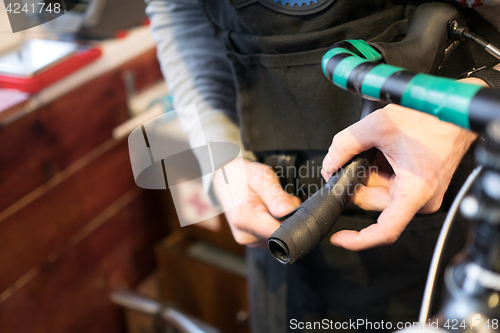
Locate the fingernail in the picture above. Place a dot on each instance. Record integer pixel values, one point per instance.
(328, 164)
(285, 207)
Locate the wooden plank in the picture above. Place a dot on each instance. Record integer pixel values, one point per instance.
(45, 142)
(71, 292)
(39, 145)
(44, 220)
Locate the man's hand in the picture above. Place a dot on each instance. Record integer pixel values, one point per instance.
(250, 221)
(419, 154)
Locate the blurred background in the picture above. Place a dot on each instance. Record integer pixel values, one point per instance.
(79, 240)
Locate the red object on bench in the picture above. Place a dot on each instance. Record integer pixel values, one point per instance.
(46, 78)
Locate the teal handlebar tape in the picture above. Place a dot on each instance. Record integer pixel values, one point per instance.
(354, 65)
(444, 98)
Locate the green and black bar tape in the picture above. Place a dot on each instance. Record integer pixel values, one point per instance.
(354, 65)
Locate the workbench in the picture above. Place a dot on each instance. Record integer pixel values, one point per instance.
(73, 224)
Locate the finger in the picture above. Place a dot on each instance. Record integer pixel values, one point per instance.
(295, 201)
(372, 198)
(261, 224)
(350, 142)
(356, 241)
(391, 223)
(326, 175)
(269, 189)
(250, 221)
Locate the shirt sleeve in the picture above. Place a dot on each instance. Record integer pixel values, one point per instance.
(197, 71)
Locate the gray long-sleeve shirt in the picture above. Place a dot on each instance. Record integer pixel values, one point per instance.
(197, 72)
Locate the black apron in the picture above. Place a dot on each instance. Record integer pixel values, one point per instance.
(286, 106)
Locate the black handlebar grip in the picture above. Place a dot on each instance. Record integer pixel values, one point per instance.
(313, 220)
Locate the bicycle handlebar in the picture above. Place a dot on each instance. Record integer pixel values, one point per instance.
(352, 65)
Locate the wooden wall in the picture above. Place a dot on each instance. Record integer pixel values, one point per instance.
(73, 224)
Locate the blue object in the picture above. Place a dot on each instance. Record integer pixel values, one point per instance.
(296, 2)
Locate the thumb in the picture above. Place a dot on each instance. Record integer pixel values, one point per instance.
(283, 204)
(279, 202)
(390, 224)
(268, 188)
(347, 143)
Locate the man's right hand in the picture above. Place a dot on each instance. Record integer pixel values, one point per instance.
(250, 221)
